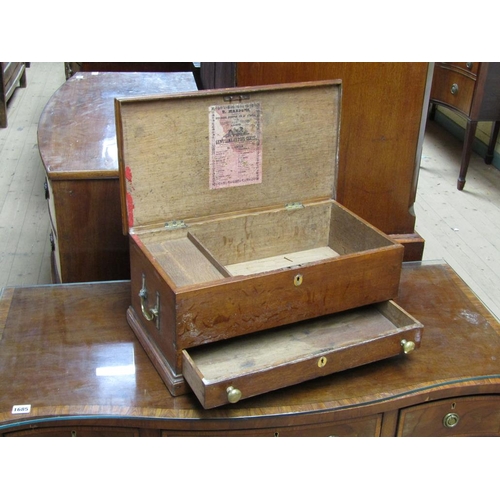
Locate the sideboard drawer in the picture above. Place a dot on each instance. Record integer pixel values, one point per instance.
(466, 416)
(76, 431)
(470, 67)
(453, 87)
(361, 427)
(358, 427)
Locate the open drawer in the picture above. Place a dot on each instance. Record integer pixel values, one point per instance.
(230, 370)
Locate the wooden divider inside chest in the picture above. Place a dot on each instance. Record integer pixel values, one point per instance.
(260, 242)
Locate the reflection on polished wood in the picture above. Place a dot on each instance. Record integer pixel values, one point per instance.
(76, 131)
(68, 351)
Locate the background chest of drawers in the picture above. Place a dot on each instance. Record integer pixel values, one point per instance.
(473, 90)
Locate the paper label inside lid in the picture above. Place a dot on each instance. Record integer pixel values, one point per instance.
(235, 145)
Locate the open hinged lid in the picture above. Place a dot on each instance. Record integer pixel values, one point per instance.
(205, 153)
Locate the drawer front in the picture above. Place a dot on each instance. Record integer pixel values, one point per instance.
(54, 240)
(453, 88)
(76, 431)
(470, 67)
(467, 416)
(361, 427)
(49, 196)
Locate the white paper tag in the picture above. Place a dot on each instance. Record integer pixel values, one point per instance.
(16, 409)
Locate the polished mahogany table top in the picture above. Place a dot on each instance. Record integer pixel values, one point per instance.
(76, 131)
(67, 351)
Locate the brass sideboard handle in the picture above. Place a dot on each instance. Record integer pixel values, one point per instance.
(468, 65)
(149, 314)
(233, 395)
(450, 420)
(454, 89)
(408, 346)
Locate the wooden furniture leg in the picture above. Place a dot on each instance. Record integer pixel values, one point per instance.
(495, 128)
(470, 133)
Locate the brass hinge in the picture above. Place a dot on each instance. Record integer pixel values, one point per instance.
(175, 224)
(294, 205)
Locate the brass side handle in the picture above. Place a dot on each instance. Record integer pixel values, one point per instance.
(149, 313)
(454, 89)
(450, 420)
(233, 394)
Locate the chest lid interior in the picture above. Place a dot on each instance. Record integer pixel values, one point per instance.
(208, 153)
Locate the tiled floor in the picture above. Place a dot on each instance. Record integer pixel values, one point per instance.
(462, 228)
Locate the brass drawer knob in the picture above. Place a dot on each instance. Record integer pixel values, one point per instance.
(454, 89)
(233, 394)
(450, 420)
(408, 346)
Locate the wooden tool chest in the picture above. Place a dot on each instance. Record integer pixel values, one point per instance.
(236, 242)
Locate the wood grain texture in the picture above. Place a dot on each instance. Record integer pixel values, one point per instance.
(471, 416)
(165, 152)
(366, 271)
(378, 157)
(76, 132)
(164, 148)
(75, 329)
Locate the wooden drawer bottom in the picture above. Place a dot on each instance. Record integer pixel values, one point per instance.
(466, 416)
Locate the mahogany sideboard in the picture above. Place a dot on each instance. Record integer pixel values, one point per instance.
(384, 111)
(472, 90)
(71, 366)
(77, 143)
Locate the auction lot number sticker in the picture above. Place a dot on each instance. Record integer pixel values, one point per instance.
(17, 409)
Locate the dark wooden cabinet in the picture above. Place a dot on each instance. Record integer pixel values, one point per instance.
(384, 109)
(12, 75)
(79, 366)
(71, 68)
(473, 91)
